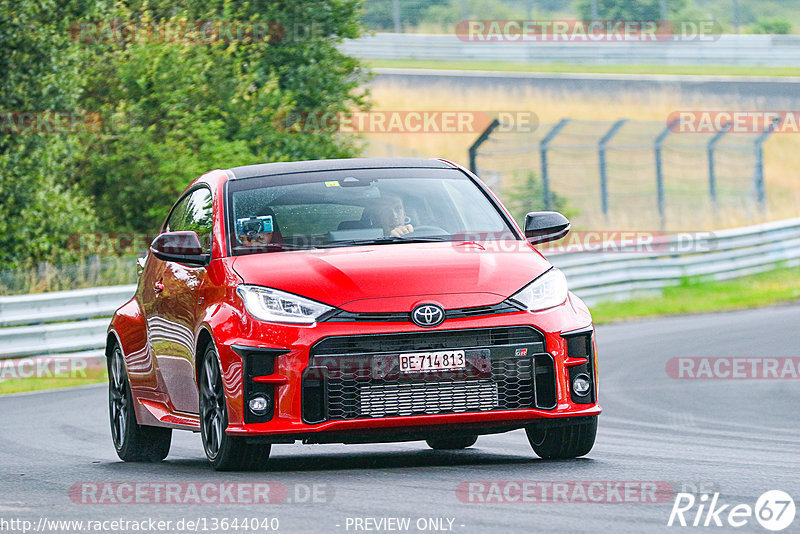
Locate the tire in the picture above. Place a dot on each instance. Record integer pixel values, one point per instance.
(451, 442)
(132, 441)
(224, 452)
(569, 441)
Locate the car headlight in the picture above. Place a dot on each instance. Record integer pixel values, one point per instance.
(280, 307)
(549, 290)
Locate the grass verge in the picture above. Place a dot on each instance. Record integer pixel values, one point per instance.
(696, 296)
(507, 66)
(21, 385)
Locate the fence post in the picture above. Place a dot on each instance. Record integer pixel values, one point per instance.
(712, 176)
(601, 155)
(473, 150)
(543, 144)
(659, 142)
(758, 179)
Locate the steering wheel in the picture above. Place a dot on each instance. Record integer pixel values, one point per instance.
(423, 230)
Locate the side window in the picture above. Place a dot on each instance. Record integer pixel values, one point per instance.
(176, 223)
(195, 213)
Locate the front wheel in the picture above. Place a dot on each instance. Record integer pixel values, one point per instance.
(133, 442)
(226, 453)
(569, 441)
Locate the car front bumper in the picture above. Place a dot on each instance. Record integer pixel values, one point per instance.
(448, 399)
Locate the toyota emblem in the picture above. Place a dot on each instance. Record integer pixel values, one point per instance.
(428, 315)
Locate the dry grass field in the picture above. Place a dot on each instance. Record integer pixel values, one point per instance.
(686, 165)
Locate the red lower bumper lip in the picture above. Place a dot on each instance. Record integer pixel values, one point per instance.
(497, 416)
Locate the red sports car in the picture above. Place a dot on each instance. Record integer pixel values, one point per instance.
(349, 301)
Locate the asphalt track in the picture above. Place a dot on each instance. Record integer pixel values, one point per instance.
(736, 437)
(774, 93)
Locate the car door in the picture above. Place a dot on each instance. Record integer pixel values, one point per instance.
(143, 371)
(179, 290)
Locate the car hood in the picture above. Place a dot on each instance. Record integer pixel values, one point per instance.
(395, 277)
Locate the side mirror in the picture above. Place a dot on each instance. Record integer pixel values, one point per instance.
(180, 247)
(544, 226)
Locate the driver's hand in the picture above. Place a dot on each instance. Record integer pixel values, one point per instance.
(403, 229)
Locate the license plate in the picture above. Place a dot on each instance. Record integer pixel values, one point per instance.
(421, 362)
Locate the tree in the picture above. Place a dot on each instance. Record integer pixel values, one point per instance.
(526, 194)
(180, 108)
(39, 204)
(171, 109)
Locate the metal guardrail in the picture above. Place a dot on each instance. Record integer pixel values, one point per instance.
(56, 338)
(63, 305)
(725, 254)
(773, 50)
(594, 276)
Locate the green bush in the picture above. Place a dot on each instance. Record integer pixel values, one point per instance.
(772, 26)
(180, 109)
(526, 194)
(171, 110)
(40, 205)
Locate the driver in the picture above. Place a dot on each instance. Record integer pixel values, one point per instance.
(389, 214)
(252, 239)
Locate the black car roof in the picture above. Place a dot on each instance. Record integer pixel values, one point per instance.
(290, 167)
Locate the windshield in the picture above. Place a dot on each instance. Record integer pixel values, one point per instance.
(359, 207)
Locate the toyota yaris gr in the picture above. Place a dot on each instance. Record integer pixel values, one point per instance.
(349, 301)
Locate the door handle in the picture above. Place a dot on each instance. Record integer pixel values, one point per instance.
(158, 287)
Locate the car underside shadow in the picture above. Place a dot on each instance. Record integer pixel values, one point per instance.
(317, 461)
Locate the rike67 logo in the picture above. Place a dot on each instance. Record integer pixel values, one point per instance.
(774, 510)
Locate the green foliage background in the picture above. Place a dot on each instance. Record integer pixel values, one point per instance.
(171, 110)
(755, 16)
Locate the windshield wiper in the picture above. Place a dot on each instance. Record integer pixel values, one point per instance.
(382, 241)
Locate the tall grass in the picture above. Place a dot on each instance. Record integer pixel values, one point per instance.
(780, 151)
(93, 271)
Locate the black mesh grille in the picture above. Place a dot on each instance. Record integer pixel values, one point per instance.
(362, 378)
(386, 400)
(514, 379)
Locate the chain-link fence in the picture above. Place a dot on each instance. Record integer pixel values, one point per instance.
(627, 173)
